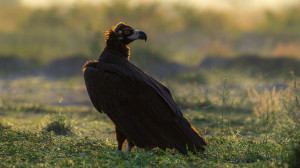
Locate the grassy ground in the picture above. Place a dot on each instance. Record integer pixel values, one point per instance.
(247, 110)
(51, 123)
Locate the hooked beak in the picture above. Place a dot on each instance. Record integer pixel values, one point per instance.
(138, 35)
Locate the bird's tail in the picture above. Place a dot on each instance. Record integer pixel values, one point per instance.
(194, 142)
(200, 142)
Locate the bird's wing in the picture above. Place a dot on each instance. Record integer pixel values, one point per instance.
(141, 107)
(90, 74)
(129, 79)
(158, 87)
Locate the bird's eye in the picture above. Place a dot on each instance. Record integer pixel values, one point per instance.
(127, 32)
(119, 33)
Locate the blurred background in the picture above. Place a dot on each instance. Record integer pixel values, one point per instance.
(55, 38)
(44, 44)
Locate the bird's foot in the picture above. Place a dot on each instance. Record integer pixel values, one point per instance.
(128, 149)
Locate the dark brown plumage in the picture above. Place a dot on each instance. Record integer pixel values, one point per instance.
(141, 108)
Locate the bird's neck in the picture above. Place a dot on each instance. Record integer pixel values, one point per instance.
(112, 43)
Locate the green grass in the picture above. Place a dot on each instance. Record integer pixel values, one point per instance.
(51, 123)
(236, 135)
(48, 149)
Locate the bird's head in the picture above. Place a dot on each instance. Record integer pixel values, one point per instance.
(127, 34)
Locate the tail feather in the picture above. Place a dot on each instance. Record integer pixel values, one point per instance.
(195, 143)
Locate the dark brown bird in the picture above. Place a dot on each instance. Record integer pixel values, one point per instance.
(141, 108)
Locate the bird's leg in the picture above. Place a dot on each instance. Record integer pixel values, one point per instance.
(129, 146)
(120, 139)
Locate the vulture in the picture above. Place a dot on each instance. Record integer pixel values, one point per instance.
(141, 108)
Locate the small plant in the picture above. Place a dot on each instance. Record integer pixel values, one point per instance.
(224, 95)
(291, 102)
(60, 126)
(267, 104)
(267, 107)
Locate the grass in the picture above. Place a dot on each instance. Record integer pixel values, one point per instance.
(48, 149)
(86, 137)
(238, 107)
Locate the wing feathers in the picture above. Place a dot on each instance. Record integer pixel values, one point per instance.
(140, 107)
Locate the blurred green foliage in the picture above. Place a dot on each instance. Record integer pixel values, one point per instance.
(186, 33)
(285, 24)
(9, 3)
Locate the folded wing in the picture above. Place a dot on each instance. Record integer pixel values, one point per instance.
(142, 108)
